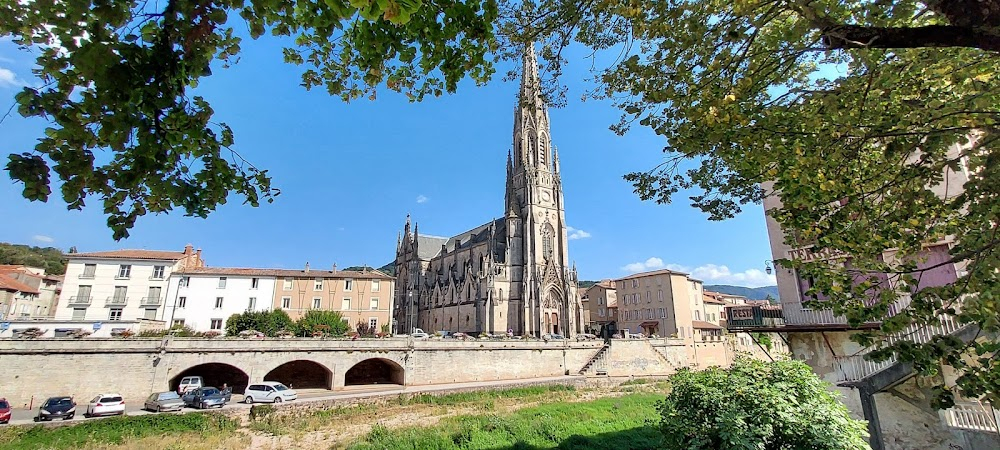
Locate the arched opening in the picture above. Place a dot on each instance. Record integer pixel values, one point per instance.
(302, 374)
(374, 371)
(555, 323)
(548, 323)
(215, 375)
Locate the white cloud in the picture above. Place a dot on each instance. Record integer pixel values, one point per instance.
(43, 238)
(575, 233)
(422, 199)
(649, 264)
(9, 79)
(709, 273)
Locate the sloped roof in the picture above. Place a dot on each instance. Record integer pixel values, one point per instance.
(702, 325)
(257, 272)
(651, 273)
(10, 284)
(131, 254)
(429, 247)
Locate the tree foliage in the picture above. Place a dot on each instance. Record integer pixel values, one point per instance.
(117, 77)
(268, 322)
(759, 405)
(48, 258)
(328, 323)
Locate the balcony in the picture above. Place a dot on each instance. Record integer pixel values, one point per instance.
(116, 301)
(749, 317)
(972, 416)
(86, 276)
(150, 301)
(80, 300)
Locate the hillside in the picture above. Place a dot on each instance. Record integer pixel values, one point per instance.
(49, 258)
(760, 293)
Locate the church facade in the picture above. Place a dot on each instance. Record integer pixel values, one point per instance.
(509, 274)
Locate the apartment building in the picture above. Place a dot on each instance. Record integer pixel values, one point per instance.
(601, 304)
(364, 296)
(120, 285)
(204, 298)
(28, 292)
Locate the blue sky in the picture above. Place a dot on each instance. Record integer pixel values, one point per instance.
(350, 173)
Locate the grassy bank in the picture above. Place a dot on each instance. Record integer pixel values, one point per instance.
(116, 431)
(621, 423)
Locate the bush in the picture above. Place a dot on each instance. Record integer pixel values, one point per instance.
(114, 431)
(321, 323)
(754, 404)
(270, 323)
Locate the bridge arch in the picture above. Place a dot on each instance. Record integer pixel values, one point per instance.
(302, 374)
(374, 371)
(215, 374)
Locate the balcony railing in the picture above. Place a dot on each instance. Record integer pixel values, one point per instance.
(972, 416)
(150, 301)
(116, 301)
(856, 367)
(80, 300)
(86, 276)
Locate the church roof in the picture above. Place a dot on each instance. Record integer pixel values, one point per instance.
(429, 247)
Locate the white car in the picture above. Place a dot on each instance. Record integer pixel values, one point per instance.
(189, 383)
(106, 405)
(269, 392)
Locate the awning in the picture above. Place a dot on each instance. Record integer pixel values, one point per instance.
(649, 324)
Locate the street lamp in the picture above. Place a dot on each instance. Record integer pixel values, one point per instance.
(767, 266)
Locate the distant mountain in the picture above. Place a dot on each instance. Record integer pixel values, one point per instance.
(48, 258)
(583, 284)
(760, 293)
(389, 269)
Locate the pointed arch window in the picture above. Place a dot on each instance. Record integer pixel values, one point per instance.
(547, 233)
(542, 162)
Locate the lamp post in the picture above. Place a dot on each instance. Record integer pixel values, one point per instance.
(767, 266)
(409, 311)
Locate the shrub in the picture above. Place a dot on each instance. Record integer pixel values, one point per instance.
(755, 404)
(321, 323)
(270, 323)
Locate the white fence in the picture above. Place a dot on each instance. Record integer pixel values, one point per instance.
(856, 367)
(972, 416)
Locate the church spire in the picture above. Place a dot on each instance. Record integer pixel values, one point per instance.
(530, 84)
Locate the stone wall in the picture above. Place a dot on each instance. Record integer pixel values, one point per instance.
(39, 368)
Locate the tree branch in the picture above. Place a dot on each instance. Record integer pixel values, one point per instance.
(836, 36)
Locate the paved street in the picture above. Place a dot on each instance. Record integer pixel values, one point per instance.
(23, 417)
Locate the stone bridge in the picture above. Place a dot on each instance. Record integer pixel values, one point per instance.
(39, 368)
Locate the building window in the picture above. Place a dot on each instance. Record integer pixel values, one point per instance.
(697, 315)
(348, 284)
(374, 303)
(287, 284)
(318, 284)
(79, 313)
(124, 271)
(222, 282)
(218, 302)
(317, 303)
(373, 324)
(216, 324)
(89, 270)
(149, 314)
(649, 298)
(663, 313)
(635, 282)
(115, 314)
(286, 302)
(345, 305)
(158, 272)
(375, 285)
(254, 282)
(659, 296)
(178, 322)
(121, 294)
(547, 241)
(252, 304)
(182, 302)
(185, 282)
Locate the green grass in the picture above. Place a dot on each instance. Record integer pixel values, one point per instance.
(116, 431)
(620, 423)
(482, 396)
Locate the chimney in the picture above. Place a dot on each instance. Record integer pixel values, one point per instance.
(334, 267)
(188, 249)
(197, 259)
(307, 266)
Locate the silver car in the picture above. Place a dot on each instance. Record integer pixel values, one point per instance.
(163, 401)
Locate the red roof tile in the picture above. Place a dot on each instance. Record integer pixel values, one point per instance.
(650, 273)
(702, 325)
(131, 254)
(373, 274)
(10, 284)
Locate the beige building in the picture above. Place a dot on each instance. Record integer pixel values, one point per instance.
(359, 296)
(601, 304)
(28, 292)
(511, 273)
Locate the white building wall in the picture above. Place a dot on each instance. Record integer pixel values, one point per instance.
(103, 284)
(195, 304)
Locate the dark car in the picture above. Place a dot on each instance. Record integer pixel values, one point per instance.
(206, 397)
(56, 408)
(4, 411)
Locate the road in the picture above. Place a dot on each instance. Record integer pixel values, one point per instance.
(25, 417)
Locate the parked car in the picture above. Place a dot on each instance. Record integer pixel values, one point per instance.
(419, 334)
(56, 408)
(585, 337)
(106, 405)
(5, 411)
(205, 397)
(553, 337)
(269, 391)
(189, 383)
(163, 401)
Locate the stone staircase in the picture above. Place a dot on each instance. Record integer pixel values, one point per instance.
(596, 366)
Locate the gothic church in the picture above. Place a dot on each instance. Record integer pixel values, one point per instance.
(510, 273)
